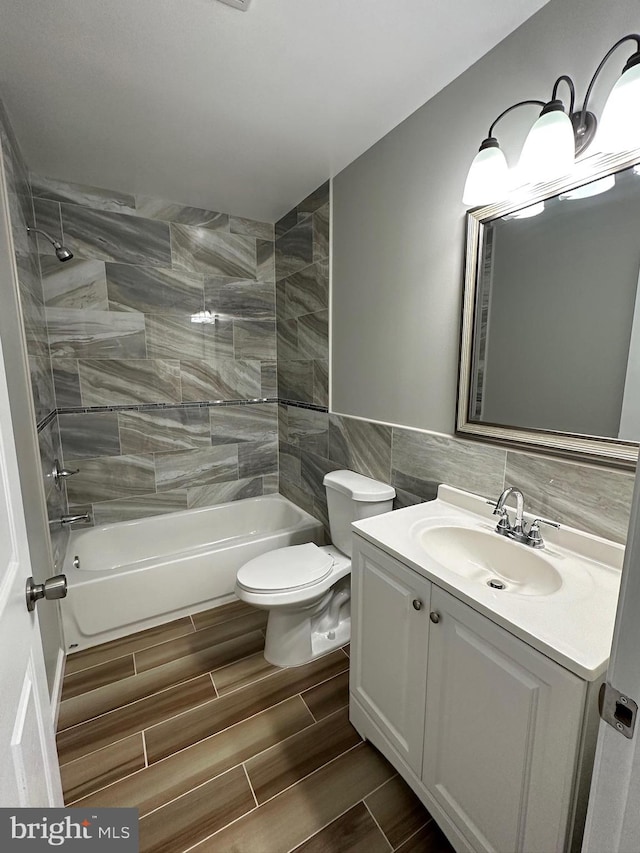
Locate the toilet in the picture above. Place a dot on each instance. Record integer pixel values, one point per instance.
(307, 588)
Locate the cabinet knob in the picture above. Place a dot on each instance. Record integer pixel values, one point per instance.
(417, 604)
(434, 616)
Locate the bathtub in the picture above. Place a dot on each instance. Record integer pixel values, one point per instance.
(133, 575)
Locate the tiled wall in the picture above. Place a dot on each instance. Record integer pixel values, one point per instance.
(139, 386)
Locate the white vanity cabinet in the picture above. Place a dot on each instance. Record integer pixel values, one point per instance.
(487, 730)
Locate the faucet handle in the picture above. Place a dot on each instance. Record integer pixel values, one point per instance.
(534, 539)
(503, 526)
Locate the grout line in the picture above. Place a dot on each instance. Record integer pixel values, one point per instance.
(144, 749)
(413, 834)
(308, 708)
(94, 665)
(215, 689)
(135, 663)
(372, 816)
(246, 773)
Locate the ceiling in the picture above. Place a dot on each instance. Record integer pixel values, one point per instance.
(245, 112)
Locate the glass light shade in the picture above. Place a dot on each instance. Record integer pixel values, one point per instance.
(488, 178)
(594, 188)
(526, 212)
(549, 149)
(619, 128)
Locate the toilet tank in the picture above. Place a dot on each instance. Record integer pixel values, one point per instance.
(351, 497)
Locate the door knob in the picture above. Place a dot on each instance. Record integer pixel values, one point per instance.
(417, 604)
(434, 616)
(54, 587)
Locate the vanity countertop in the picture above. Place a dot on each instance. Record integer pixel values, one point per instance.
(571, 621)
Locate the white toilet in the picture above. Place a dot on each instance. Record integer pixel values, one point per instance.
(306, 588)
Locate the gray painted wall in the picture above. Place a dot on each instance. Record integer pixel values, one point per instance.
(399, 221)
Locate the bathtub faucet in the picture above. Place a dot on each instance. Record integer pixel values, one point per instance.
(70, 519)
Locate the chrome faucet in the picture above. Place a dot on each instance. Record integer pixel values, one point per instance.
(70, 519)
(518, 531)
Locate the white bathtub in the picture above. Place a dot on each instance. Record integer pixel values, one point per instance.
(137, 574)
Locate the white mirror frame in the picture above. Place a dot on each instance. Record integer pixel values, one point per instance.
(611, 451)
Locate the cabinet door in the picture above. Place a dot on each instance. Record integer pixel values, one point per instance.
(501, 733)
(390, 628)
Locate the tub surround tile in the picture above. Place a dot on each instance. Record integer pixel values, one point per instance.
(89, 435)
(153, 290)
(75, 285)
(164, 430)
(287, 336)
(289, 462)
(294, 250)
(313, 335)
(254, 339)
(220, 493)
(355, 831)
(224, 379)
(287, 222)
(315, 200)
(295, 493)
(361, 446)
(299, 755)
(173, 336)
(48, 217)
(308, 430)
(307, 291)
(270, 483)
(156, 208)
(218, 340)
(84, 333)
(239, 299)
(213, 252)
(82, 194)
(257, 457)
(321, 233)
(296, 381)
(265, 260)
(321, 382)
(269, 378)
(85, 776)
(107, 236)
(327, 698)
(190, 468)
(236, 424)
(589, 498)
(140, 506)
(251, 227)
(109, 477)
(112, 382)
(66, 382)
(312, 472)
(397, 810)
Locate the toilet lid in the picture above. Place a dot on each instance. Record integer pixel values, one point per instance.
(286, 568)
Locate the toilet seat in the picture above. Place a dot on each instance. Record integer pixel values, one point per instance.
(295, 567)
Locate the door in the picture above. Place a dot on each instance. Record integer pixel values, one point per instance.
(29, 774)
(613, 816)
(501, 733)
(390, 619)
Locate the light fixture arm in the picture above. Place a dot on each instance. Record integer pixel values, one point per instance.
(585, 106)
(572, 90)
(508, 110)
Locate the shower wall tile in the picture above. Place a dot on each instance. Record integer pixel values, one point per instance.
(259, 457)
(289, 462)
(296, 381)
(84, 333)
(294, 250)
(321, 382)
(219, 493)
(313, 335)
(155, 208)
(361, 446)
(218, 340)
(110, 478)
(90, 434)
(321, 233)
(269, 379)
(224, 379)
(196, 467)
(76, 284)
(173, 336)
(81, 194)
(66, 381)
(161, 431)
(213, 252)
(116, 237)
(48, 218)
(240, 299)
(265, 260)
(270, 483)
(252, 228)
(255, 339)
(41, 386)
(236, 424)
(142, 506)
(315, 200)
(308, 430)
(307, 291)
(111, 382)
(154, 291)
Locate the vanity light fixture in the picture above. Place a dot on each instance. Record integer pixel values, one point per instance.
(557, 137)
(588, 190)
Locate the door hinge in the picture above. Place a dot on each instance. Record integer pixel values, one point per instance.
(617, 709)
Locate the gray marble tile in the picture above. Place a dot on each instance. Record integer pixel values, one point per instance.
(110, 478)
(190, 468)
(218, 340)
(87, 435)
(295, 381)
(296, 494)
(321, 233)
(35, 327)
(251, 227)
(29, 280)
(76, 284)
(142, 506)
(66, 382)
(321, 382)
(224, 379)
(361, 446)
(269, 379)
(307, 291)
(286, 222)
(82, 194)
(404, 499)
(255, 339)
(421, 461)
(112, 382)
(313, 335)
(220, 493)
(294, 250)
(321, 512)
(312, 471)
(173, 336)
(590, 498)
(84, 333)
(157, 208)
(164, 430)
(236, 424)
(289, 462)
(116, 237)
(47, 448)
(154, 290)
(24, 244)
(239, 299)
(213, 252)
(257, 457)
(41, 386)
(315, 200)
(270, 483)
(283, 422)
(14, 162)
(308, 430)
(49, 219)
(265, 260)
(287, 337)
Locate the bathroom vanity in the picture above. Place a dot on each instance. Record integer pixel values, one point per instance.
(483, 698)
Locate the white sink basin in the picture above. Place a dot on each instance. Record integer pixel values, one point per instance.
(489, 558)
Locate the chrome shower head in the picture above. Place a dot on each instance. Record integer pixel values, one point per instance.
(62, 253)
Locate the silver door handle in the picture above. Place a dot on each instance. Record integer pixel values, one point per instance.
(54, 587)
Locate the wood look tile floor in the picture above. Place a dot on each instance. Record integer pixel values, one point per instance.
(222, 752)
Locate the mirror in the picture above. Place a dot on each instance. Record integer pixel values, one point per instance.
(550, 352)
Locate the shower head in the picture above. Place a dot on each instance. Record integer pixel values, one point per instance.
(62, 253)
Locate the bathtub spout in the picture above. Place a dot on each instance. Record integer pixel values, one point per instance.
(70, 519)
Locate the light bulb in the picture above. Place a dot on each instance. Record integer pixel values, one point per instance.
(619, 128)
(549, 149)
(488, 178)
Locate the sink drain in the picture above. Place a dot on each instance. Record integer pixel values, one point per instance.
(494, 583)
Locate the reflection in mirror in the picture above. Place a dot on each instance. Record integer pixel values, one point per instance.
(551, 337)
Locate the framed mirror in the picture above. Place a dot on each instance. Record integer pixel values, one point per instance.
(550, 347)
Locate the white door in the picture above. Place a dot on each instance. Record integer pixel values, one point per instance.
(613, 817)
(29, 774)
